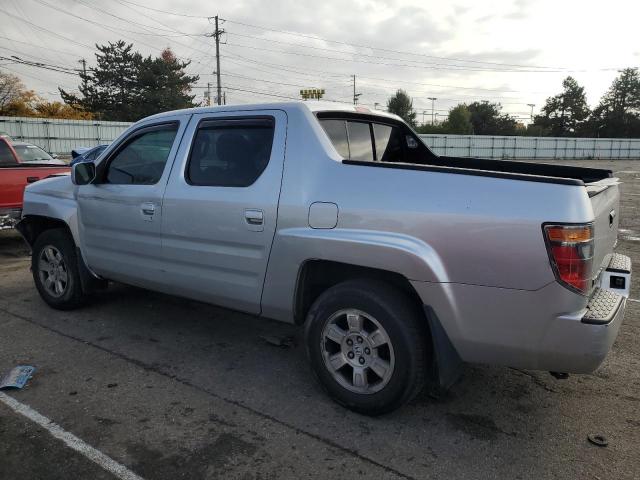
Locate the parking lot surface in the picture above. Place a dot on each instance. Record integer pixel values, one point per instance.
(171, 388)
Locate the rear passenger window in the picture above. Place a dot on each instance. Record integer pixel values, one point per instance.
(230, 153)
(337, 132)
(360, 146)
(388, 142)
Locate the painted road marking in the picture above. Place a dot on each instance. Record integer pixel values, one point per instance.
(633, 300)
(73, 442)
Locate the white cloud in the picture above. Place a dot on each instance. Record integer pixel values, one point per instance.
(567, 35)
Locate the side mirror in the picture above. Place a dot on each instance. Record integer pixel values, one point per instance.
(55, 155)
(83, 173)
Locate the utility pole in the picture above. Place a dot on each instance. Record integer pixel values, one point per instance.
(433, 111)
(355, 95)
(216, 34)
(208, 94)
(531, 105)
(423, 113)
(83, 62)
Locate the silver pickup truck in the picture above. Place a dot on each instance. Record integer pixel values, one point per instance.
(399, 263)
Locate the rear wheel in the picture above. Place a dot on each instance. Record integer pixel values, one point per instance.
(367, 346)
(55, 269)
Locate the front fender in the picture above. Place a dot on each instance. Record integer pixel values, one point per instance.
(53, 199)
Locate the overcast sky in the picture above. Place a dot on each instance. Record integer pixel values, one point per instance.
(514, 51)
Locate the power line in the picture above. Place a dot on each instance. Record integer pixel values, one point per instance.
(314, 37)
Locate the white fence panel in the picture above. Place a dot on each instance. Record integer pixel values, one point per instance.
(503, 147)
(61, 136)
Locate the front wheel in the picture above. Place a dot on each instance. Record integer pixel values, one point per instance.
(54, 265)
(366, 344)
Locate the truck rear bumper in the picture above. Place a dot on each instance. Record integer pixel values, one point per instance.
(575, 345)
(549, 329)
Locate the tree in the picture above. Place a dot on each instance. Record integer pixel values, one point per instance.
(164, 84)
(11, 87)
(618, 114)
(125, 86)
(487, 119)
(564, 114)
(459, 121)
(110, 90)
(402, 105)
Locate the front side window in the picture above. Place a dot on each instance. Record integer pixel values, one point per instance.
(142, 159)
(230, 153)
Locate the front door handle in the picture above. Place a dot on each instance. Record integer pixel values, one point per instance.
(255, 219)
(32, 179)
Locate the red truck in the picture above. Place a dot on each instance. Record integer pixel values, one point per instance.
(21, 164)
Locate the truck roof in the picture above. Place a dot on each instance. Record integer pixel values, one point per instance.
(311, 105)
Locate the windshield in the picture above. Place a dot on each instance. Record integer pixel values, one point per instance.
(31, 153)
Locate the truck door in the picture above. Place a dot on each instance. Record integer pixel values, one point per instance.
(120, 213)
(220, 207)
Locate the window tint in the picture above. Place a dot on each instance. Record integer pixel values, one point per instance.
(337, 133)
(141, 161)
(6, 156)
(230, 153)
(388, 143)
(360, 146)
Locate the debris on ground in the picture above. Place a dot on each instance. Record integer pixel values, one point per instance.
(599, 440)
(17, 377)
(285, 341)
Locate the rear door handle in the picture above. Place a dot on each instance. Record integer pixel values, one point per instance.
(255, 219)
(148, 210)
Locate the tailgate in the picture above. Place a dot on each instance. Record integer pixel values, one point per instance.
(605, 201)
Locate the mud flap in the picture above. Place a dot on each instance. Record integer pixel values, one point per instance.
(89, 281)
(447, 365)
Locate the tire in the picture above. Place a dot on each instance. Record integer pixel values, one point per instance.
(54, 266)
(380, 363)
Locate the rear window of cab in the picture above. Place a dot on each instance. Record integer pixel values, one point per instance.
(370, 141)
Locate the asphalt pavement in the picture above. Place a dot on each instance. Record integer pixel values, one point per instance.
(169, 388)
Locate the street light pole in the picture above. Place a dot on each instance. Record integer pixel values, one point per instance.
(531, 105)
(433, 102)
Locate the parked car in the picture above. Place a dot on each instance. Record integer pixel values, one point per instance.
(16, 174)
(399, 263)
(91, 154)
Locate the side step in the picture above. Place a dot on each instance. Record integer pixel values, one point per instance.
(617, 276)
(602, 307)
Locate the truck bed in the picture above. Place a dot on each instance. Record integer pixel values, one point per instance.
(586, 175)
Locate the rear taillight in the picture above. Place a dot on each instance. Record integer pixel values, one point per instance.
(571, 252)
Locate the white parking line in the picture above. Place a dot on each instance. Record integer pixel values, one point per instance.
(633, 300)
(73, 442)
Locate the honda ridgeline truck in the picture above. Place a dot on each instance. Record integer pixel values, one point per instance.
(400, 264)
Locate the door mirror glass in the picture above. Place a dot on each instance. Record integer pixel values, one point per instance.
(83, 173)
